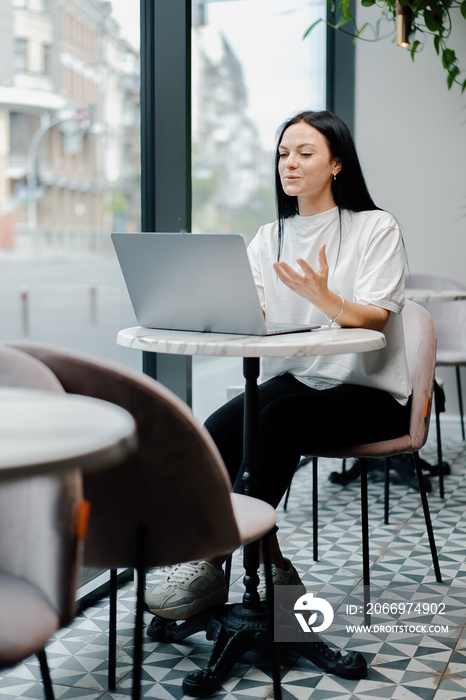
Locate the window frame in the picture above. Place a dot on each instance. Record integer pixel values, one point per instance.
(166, 147)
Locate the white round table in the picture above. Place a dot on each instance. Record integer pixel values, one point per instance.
(325, 341)
(42, 432)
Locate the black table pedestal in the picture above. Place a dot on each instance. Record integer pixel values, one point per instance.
(235, 631)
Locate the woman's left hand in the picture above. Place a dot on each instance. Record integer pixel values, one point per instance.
(311, 284)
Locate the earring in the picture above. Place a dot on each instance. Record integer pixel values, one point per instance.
(334, 176)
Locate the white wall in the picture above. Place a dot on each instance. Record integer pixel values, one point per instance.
(410, 131)
(411, 136)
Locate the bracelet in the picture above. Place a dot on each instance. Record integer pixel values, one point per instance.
(332, 320)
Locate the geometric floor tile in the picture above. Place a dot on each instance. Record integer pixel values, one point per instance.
(415, 647)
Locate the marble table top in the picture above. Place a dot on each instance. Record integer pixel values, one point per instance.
(422, 296)
(325, 341)
(45, 431)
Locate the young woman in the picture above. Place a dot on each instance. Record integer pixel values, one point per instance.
(332, 257)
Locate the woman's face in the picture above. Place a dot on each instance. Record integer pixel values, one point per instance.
(306, 168)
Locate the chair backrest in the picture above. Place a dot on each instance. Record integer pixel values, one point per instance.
(175, 485)
(18, 369)
(449, 316)
(38, 515)
(420, 343)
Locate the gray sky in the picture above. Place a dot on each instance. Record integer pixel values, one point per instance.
(284, 74)
(126, 13)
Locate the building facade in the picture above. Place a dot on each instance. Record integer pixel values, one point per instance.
(69, 125)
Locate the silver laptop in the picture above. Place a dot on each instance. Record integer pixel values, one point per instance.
(193, 282)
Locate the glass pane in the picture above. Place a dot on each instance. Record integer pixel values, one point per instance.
(252, 69)
(69, 171)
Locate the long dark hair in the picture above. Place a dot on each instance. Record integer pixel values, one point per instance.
(349, 189)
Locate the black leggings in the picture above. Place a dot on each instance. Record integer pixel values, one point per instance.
(295, 420)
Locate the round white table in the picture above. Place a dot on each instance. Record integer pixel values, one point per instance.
(42, 432)
(325, 341)
(246, 625)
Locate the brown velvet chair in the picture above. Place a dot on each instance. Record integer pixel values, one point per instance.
(171, 501)
(39, 549)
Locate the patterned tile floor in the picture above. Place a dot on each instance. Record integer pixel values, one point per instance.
(403, 665)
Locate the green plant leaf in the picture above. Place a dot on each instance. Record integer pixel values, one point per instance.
(414, 48)
(431, 21)
(369, 3)
(346, 10)
(360, 31)
(437, 43)
(314, 24)
(448, 57)
(453, 72)
(343, 20)
(463, 8)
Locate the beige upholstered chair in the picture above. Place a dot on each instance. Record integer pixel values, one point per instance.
(168, 503)
(450, 323)
(39, 550)
(420, 339)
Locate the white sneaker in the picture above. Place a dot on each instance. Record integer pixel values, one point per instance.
(280, 577)
(188, 589)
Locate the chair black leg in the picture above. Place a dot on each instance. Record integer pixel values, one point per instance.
(460, 397)
(427, 518)
(366, 573)
(387, 489)
(439, 406)
(44, 669)
(273, 648)
(287, 495)
(343, 469)
(112, 633)
(228, 564)
(315, 508)
(138, 627)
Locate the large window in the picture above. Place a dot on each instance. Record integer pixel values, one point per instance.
(71, 124)
(251, 70)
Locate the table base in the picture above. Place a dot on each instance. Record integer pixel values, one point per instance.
(236, 630)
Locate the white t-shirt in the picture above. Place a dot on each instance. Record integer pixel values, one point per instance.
(366, 266)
